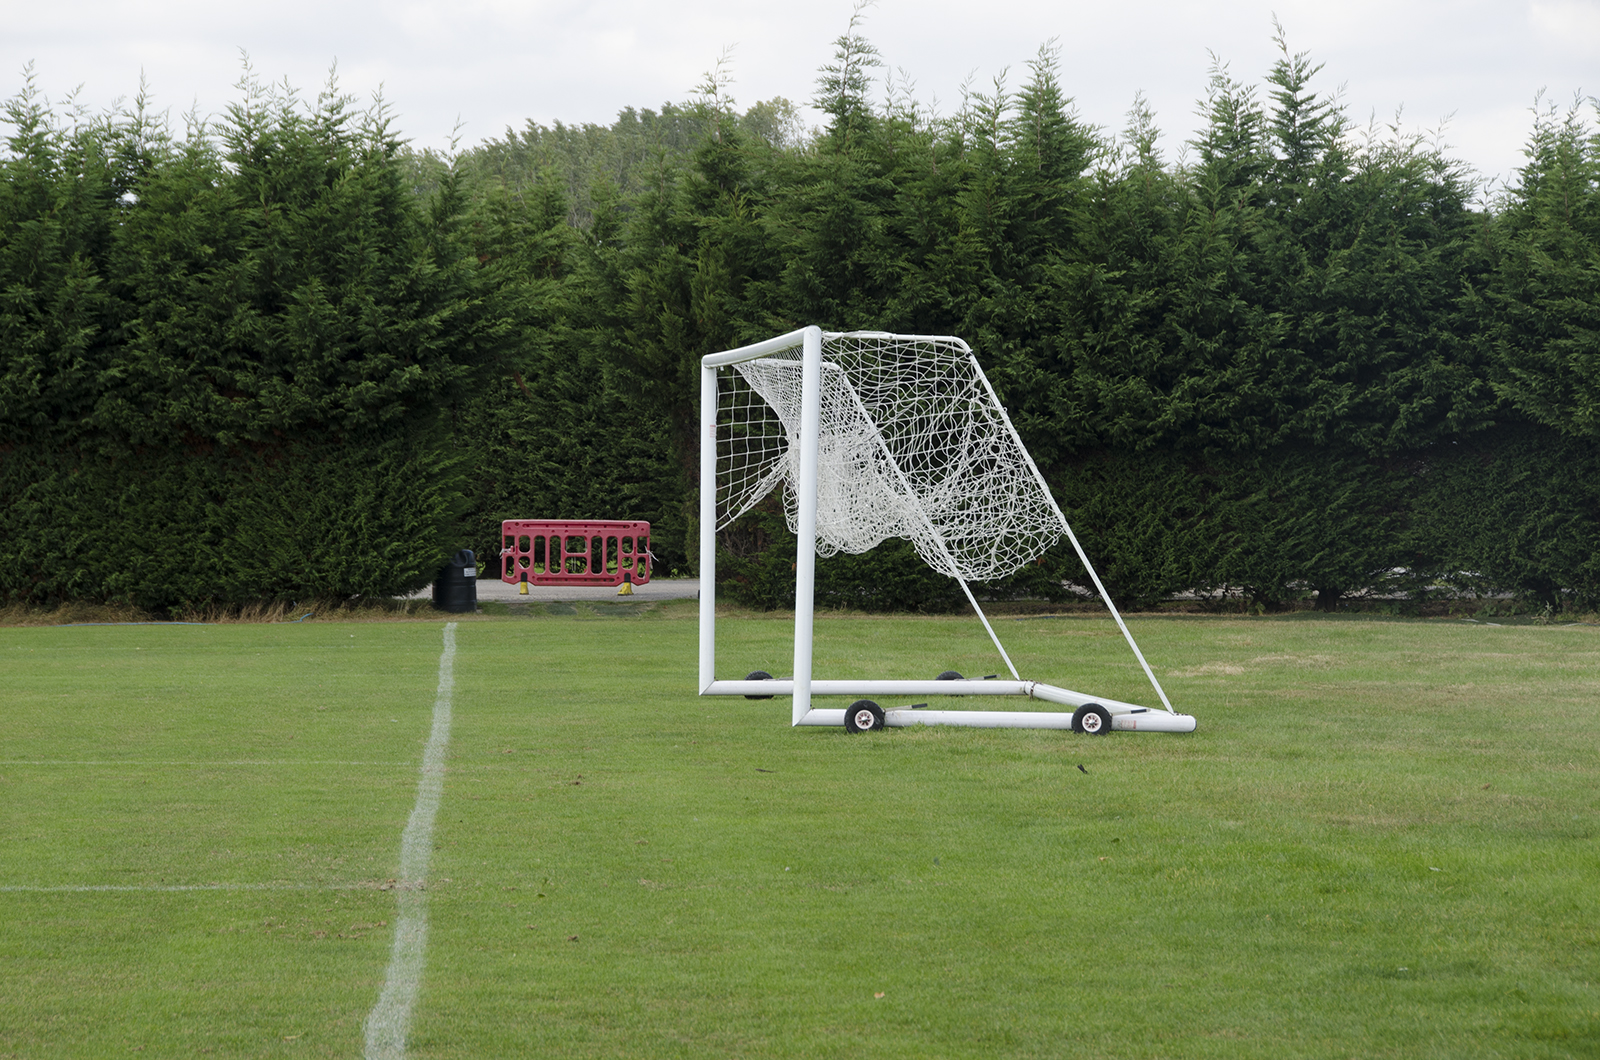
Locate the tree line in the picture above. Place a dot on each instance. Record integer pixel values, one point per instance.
(283, 355)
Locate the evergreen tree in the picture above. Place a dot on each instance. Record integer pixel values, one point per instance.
(266, 329)
(1540, 312)
(61, 197)
(1267, 368)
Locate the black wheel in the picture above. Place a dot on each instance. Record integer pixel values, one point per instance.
(949, 675)
(759, 675)
(1091, 719)
(863, 716)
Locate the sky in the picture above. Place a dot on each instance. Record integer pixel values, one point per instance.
(1473, 67)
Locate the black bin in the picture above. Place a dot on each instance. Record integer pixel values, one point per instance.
(456, 587)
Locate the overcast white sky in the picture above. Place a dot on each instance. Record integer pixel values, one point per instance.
(499, 63)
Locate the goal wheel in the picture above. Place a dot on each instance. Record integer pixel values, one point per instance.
(949, 675)
(863, 716)
(758, 675)
(1091, 719)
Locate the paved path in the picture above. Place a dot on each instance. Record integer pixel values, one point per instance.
(655, 589)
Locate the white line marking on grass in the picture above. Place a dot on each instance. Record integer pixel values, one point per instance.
(390, 1018)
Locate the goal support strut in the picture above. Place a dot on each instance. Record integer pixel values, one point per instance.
(802, 686)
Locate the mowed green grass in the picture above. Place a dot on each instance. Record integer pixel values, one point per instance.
(1382, 841)
(277, 762)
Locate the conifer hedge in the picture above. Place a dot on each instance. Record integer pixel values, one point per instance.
(228, 359)
(286, 356)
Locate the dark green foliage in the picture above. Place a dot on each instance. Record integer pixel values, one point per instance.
(568, 448)
(1278, 291)
(163, 529)
(842, 89)
(1299, 365)
(226, 360)
(290, 282)
(1515, 510)
(755, 567)
(1280, 526)
(599, 164)
(60, 195)
(1541, 312)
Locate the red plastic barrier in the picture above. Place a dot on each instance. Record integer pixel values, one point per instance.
(575, 551)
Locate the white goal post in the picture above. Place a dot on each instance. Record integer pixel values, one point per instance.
(872, 436)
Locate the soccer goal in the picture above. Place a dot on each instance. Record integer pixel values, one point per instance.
(871, 436)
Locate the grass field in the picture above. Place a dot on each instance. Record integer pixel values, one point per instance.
(1381, 842)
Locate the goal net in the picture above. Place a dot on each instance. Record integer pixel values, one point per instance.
(912, 443)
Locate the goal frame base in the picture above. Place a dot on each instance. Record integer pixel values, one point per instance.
(904, 717)
(1125, 717)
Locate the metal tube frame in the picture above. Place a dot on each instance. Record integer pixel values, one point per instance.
(1125, 716)
(810, 341)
